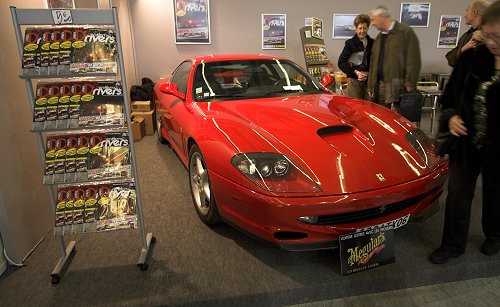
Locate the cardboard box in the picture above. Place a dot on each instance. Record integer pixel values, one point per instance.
(149, 119)
(138, 128)
(141, 106)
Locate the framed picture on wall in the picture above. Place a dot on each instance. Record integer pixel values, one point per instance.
(415, 14)
(192, 21)
(273, 31)
(60, 4)
(449, 28)
(343, 26)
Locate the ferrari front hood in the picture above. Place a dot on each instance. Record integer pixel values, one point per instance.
(345, 145)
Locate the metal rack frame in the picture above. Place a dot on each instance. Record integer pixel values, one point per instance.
(35, 17)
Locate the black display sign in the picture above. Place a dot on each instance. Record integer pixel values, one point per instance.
(363, 250)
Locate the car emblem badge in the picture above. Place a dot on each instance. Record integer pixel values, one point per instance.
(382, 209)
(380, 177)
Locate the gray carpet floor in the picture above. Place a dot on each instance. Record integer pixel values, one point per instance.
(194, 265)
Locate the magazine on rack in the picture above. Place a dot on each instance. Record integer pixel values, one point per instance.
(109, 157)
(31, 47)
(52, 102)
(40, 106)
(63, 105)
(101, 104)
(60, 211)
(117, 207)
(70, 161)
(94, 51)
(50, 152)
(55, 41)
(59, 159)
(45, 47)
(65, 45)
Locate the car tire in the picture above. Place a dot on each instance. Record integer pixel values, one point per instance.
(159, 128)
(201, 189)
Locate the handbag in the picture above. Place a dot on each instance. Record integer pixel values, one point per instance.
(356, 58)
(444, 142)
(410, 106)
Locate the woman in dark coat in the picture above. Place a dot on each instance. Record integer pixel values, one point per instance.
(471, 113)
(355, 58)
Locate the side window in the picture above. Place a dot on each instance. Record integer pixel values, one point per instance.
(181, 76)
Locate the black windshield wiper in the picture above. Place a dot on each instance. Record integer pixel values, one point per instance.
(284, 91)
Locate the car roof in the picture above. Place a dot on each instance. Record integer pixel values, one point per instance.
(225, 57)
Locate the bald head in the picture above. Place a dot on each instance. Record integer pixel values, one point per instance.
(474, 12)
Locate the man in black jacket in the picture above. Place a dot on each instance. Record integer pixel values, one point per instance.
(471, 113)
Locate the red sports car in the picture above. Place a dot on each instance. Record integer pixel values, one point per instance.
(272, 151)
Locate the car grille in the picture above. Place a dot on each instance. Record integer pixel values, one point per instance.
(372, 213)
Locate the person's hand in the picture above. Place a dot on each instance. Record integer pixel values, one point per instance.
(477, 37)
(362, 75)
(456, 126)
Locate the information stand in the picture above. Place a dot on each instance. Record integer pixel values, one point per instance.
(315, 55)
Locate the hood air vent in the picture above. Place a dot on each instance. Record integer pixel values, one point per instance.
(331, 130)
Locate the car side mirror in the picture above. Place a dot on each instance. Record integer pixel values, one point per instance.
(171, 89)
(327, 80)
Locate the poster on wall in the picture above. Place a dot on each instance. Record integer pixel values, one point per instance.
(273, 31)
(192, 21)
(415, 14)
(343, 26)
(317, 28)
(449, 28)
(60, 4)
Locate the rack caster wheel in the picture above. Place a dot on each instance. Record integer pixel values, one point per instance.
(153, 240)
(143, 266)
(55, 279)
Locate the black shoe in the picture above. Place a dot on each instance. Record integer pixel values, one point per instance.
(441, 255)
(489, 247)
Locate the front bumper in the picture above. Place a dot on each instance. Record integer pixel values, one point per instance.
(275, 219)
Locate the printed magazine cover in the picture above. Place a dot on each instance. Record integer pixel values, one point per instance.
(32, 47)
(94, 51)
(110, 157)
(117, 208)
(101, 104)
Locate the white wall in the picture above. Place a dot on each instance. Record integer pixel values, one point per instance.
(235, 28)
(25, 212)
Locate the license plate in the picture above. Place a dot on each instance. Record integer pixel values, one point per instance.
(400, 222)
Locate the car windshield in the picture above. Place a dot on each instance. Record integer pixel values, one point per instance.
(244, 79)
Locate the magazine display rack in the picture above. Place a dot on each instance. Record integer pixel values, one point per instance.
(317, 62)
(81, 108)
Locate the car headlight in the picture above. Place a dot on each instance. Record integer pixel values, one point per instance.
(274, 172)
(423, 146)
